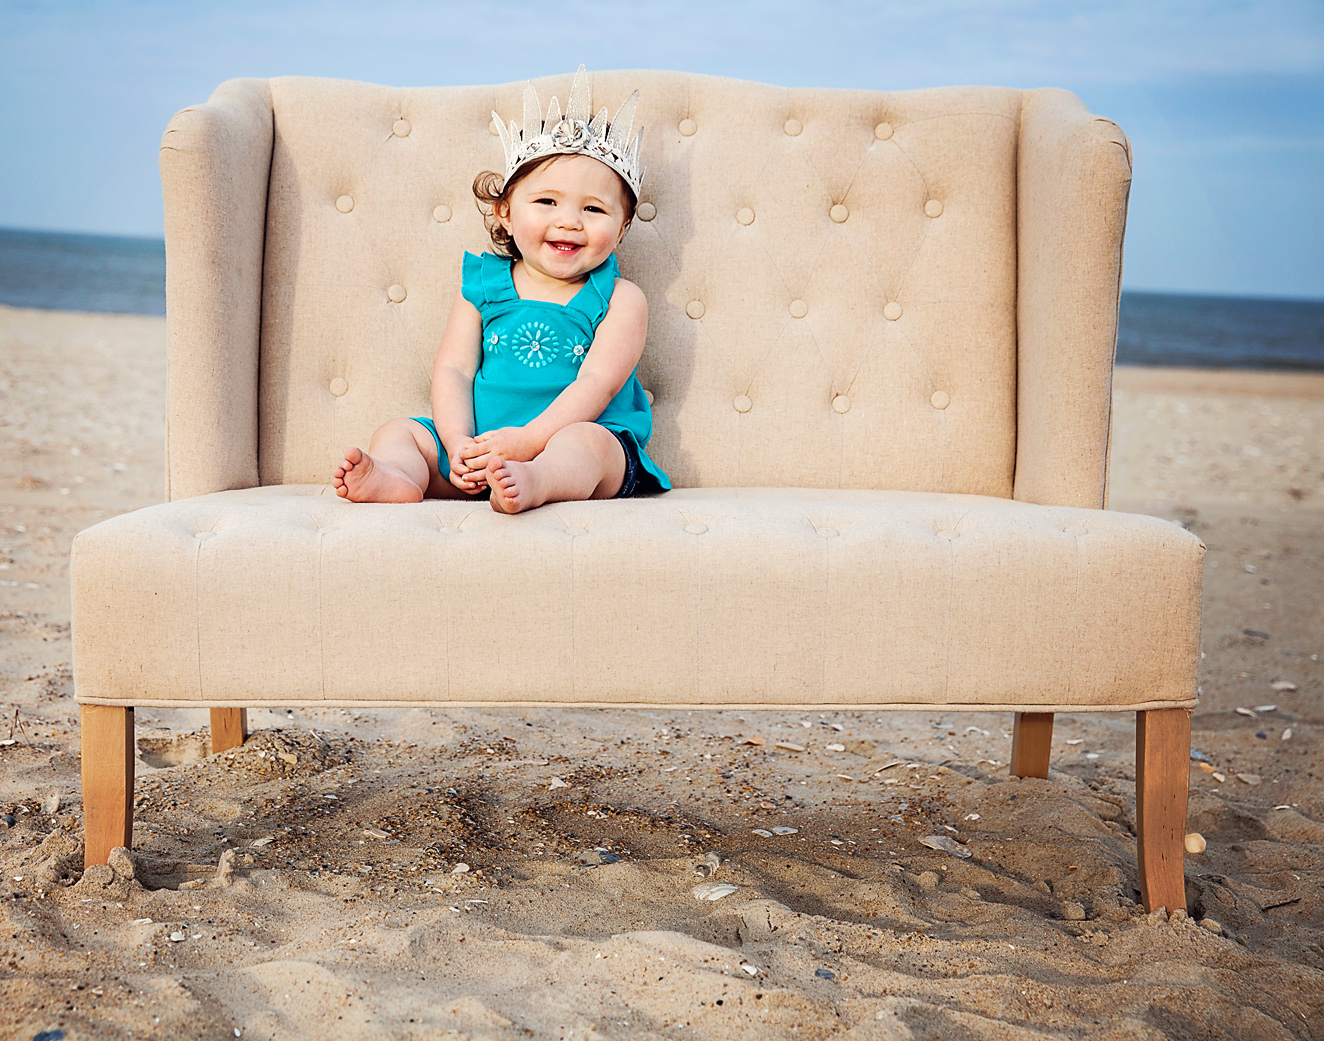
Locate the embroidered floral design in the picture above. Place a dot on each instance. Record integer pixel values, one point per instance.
(575, 352)
(493, 344)
(535, 344)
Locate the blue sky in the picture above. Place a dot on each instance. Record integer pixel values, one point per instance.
(1223, 101)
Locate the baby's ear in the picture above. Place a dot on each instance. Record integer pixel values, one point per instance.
(624, 228)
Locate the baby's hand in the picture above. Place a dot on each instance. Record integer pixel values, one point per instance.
(463, 475)
(511, 443)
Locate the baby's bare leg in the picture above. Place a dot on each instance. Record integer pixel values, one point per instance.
(399, 466)
(581, 461)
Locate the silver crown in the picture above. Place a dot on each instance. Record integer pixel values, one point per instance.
(574, 133)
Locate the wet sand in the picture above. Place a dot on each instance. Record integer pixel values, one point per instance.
(343, 910)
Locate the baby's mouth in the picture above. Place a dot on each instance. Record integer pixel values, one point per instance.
(565, 248)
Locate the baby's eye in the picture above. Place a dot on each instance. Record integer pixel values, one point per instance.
(595, 209)
(549, 202)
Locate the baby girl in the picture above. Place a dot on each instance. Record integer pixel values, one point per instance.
(534, 391)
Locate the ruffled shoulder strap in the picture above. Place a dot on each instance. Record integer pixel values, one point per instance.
(485, 280)
(593, 300)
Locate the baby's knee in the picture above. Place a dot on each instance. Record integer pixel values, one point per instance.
(593, 436)
(397, 427)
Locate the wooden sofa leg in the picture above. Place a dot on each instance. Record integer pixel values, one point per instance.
(107, 781)
(1163, 749)
(1031, 742)
(229, 728)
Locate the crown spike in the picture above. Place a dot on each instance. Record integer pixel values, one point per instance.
(507, 145)
(532, 113)
(599, 123)
(553, 113)
(623, 123)
(580, 105)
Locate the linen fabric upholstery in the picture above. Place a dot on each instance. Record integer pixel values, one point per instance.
(215, 160)
(1074, 175)
(880, 354)
(717, 597)
(741, 223)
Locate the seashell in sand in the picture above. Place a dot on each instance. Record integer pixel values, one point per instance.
(713, 890)
(707, 867)
(945, 844)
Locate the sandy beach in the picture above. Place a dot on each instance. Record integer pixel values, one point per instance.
(531, 874)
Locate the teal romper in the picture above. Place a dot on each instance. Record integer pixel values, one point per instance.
(532, 351)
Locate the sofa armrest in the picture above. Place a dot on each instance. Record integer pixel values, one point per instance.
(1073, 179)
(215, 167)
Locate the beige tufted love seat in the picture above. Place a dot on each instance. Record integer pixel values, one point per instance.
(880, 357)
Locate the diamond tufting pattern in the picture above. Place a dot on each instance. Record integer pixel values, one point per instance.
(793, 268)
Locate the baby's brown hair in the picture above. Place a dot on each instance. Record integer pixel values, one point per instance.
(489, 192)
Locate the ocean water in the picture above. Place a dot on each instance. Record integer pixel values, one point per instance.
(66, 272)
(1220, 332)
(56, 271)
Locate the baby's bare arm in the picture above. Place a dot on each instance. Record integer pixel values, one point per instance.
(453, 374)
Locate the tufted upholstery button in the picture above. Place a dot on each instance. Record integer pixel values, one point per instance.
(401, 127)
(745, 216)
(441, 214)
(492, 128)
(792, 127)
(841, 404)
(839, 213)
(933, 208)
(1076, 530)
(742, 403)
(696, 529)
(202, 536)
(694, 309)
(396, 293)
(345, 203)
(799, 308)
(339, 386)
(949, 535)
(649, 395)
(573, 532)
(882, 131)
(940, 399)
(448, 529)
(892, 311)
(646, 211)
(688, 127)
(828, 533)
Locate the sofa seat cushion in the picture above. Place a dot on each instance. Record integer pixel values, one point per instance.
(731, 597)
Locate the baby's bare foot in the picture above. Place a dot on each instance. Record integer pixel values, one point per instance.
(361, 478)
(515, 486)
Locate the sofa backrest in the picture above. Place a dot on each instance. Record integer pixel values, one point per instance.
(831, 275)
